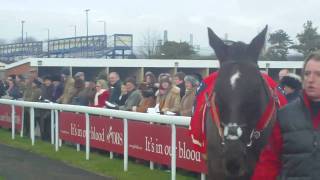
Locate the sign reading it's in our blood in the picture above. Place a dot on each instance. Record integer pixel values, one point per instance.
(105, 133)
(5, 116)
(145, 141)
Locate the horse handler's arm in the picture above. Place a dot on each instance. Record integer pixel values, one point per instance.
(269, 163)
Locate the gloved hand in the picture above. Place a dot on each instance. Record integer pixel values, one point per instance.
(111, 105)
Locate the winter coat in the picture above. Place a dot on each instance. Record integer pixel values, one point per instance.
(187, 102)
(57, 92)
(145, 103)
(182, 88)
(14, 92)
(47, 92)
(101, 98)
(148, 99)
(293, 149)
(293, 96)
(134, 98)
(68, 91)
(169, 101)
(34, 95)
(81, 98)
(115, 92)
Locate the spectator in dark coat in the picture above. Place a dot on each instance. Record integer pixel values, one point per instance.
(44, 114)
(3, 88)
(47, 89)
(179, 82)
(123, 96)
(115, 87)
(13, 90)
(57, 87)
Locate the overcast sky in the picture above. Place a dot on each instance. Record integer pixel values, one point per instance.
(241, 19)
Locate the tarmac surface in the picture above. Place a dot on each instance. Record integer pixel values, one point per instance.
(16, 164)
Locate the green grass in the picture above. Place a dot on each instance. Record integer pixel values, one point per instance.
(98, 163)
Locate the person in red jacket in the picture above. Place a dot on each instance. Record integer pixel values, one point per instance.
(293, 150)
(102, 94)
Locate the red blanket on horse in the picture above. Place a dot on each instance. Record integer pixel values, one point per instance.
(197, 124)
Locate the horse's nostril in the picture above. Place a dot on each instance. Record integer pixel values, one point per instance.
(233, 167)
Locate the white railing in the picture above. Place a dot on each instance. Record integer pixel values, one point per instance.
(125, 115)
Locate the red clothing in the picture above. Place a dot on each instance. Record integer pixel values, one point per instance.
(269, 165)
(196, 128)
(197, 124)
(102, 98)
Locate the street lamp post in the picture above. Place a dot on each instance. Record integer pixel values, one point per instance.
(87, 10)
(48, 31)
(22, 22)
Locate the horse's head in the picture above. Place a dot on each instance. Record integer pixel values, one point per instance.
(240, 98)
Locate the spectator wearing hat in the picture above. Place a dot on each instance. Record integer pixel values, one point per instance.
(168, 96)
(134, 96)
(79, 75)
(150, 81)
(291, 84)
(80, 96)
(47, 89)
(102, 94)
(44, 114)
(191, 84)
(198, 78)
(179, 82)
(148, 98)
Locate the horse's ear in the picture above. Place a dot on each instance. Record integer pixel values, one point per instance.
(257, 44)
(217, 45)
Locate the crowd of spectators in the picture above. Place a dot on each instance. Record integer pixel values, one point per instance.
(165, 94)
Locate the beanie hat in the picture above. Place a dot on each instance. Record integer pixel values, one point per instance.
(165, 79)
(131, 80)
(78, 74)
(292, 80)
(191, 79)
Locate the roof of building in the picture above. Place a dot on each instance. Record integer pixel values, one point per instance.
(160, 63)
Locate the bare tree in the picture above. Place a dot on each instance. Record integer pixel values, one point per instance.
(150, 42)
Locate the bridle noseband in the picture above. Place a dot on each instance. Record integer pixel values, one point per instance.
(232, 131)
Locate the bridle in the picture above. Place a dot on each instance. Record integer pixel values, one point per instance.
(233, 131)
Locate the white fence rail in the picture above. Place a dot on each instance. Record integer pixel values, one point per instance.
(125, 115)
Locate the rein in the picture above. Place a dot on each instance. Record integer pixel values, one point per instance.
(268, 115)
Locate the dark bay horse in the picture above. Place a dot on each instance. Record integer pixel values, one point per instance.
(235, 109)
